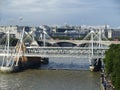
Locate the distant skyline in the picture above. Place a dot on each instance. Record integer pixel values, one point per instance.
(60, 12)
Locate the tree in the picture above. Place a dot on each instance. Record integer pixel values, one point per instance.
(112, 64)
(61, 37)
(13, 41)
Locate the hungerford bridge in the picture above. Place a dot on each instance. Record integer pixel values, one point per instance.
(93, 45)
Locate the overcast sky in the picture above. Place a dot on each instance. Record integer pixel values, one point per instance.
(59, 12)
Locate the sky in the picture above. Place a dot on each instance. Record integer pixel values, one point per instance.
(60, 12)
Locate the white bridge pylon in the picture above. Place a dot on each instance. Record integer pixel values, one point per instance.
(43, 36)
(96, 39)
(11, 56)
(94, 49)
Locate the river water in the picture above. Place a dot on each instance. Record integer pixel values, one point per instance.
(60, 74)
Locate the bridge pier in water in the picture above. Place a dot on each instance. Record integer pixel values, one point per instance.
(33, 54)
(96, 64)
(31, 62)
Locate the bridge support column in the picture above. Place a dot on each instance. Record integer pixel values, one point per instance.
(96, 64)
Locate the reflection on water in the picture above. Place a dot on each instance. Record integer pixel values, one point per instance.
(76, 78)
(67, 63)
(50, 80)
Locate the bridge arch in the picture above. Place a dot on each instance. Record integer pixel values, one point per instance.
(40, 43)
(79, 42)
(66, 44)
(87, 44)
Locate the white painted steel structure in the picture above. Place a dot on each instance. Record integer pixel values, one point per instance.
(94, 49)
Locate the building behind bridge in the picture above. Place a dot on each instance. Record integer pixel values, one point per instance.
(71, 31)
(112, 34)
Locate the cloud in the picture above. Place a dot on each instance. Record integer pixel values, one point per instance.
(43, 5)
(58, 11)
(1, 1)
(51, 6)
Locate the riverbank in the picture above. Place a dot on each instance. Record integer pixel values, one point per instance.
(106, 83)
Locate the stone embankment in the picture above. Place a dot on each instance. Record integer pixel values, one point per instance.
(106, 83)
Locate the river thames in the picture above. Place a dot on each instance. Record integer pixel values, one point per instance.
(60, 74)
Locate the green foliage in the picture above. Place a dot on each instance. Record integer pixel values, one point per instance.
(13, 41)
(110, 39)
(61, 37)
(66, 38)
(79, 38)
(119, 38)
(112, 64)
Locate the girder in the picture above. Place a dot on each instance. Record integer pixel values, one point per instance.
(63, 52)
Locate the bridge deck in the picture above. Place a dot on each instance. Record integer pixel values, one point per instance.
(80, 52)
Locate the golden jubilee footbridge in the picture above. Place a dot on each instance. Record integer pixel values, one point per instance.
(92, 46)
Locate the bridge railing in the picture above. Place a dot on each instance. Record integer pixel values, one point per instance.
(61, 51)
(66, 51)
